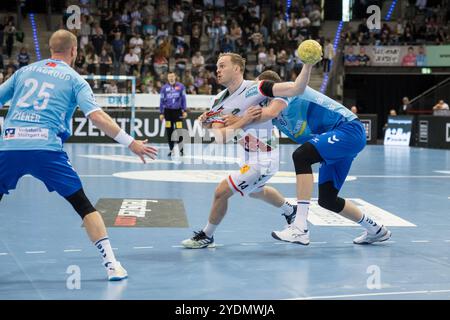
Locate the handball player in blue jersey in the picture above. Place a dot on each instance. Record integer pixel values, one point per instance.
(43, 97)
(329, 134)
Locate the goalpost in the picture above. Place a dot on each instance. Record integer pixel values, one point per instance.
(102, 99)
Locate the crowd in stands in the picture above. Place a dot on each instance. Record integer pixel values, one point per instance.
(9, 37)
(422, 24)
(147, 40)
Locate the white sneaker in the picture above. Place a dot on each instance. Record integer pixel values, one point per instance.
(116, 272)
(366, 238)
(292, 234)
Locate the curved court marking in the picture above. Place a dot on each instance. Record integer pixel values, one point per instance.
(201, 159)
(202, 176)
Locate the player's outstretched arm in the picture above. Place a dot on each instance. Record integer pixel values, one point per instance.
(105, 123)
(265, 114)
(292, 89)
(224, 133)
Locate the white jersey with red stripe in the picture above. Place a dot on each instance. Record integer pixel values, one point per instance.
(259, 156)
(255, 137)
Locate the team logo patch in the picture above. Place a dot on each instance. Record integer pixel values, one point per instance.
(244, 169)
(51, 64)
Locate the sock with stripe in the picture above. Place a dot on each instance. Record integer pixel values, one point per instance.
(287, 208)
(209, 229)
(371, 226)
(301, 219)
(106, 251)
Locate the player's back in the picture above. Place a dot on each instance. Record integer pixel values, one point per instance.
(311, 113)
(43, 99)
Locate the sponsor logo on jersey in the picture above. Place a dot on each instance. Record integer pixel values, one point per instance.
(282, 121)
(51, 64)
(235, 111)
(300, 128)
(10, 133)
(34, 133)
(252, 92)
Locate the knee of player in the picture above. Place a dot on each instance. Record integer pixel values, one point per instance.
(80, 203)
(331, 202)
(220, 193)
(256, 195)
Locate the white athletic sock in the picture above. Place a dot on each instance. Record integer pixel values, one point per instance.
(370, 225)
(287, 208)
(106, 251)
(301, 221)
(209, 229)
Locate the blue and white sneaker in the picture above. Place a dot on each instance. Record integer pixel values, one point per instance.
(198, 241)
(116, 272)
(290, 217)
(383, 234)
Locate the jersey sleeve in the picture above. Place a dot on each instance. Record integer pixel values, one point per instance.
(284, 99)
(85, 98)
(7, 90)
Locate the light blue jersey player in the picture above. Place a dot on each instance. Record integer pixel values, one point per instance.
(42, 98)
(330, 134)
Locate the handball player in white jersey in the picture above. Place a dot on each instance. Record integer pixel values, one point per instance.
(259, 157)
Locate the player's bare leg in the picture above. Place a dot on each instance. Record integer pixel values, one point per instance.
(96, 230)
(274, 197)
(205, 238)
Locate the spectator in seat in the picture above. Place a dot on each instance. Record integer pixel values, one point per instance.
(363, 58)
(441, 105)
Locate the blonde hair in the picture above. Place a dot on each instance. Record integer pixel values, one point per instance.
(62, 41)
(236, 59)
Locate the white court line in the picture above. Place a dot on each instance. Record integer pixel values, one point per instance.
(371, 294)
(249, 244)
(447, 240)
(115, 248)
(177, 246)
(319, 242)
(97, 176)
(389, 241)
(281, 242)
(365, 176)
(400, 177)
(149, 247)
(72, 250)
(420, 241)
(347, 242)
(3, 253)
(35, 252)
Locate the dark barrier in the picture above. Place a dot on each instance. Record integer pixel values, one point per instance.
(148, 126)
(434, 132)
(370, 122)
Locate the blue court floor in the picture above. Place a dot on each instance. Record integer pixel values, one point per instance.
(42, 241)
